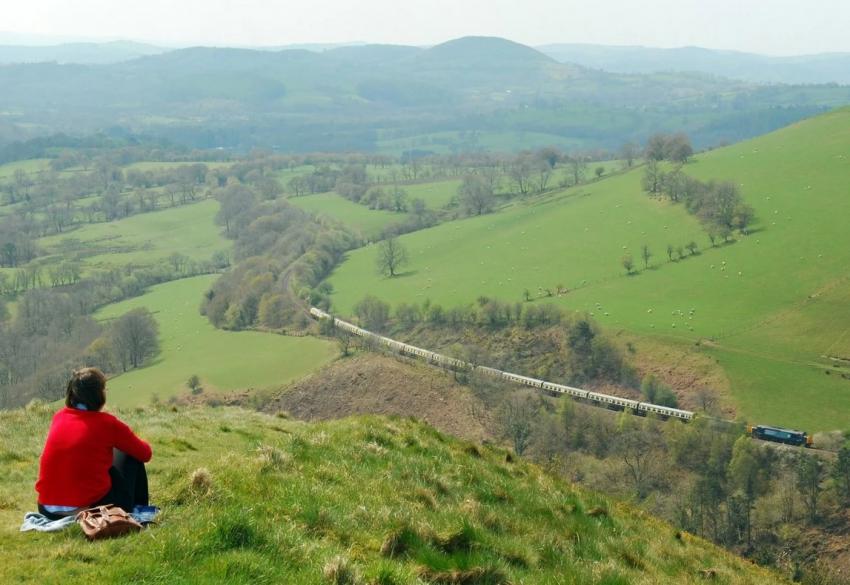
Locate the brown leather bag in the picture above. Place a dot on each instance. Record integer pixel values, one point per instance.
(106, 522)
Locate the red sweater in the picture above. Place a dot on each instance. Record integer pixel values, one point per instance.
(74, 467)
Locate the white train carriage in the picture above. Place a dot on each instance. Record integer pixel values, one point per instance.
(665, 411)
(613, 401)
(489, 371)
(445, 360)
(418, 351)
(396, 345)
(353, 329)
(568, 390)
(525, 380)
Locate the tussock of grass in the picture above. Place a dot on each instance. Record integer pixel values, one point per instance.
(474, 576)
(340, 571)
(279, 501)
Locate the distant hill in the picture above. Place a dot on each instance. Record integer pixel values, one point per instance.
(368, 96)
(81, 53)
(482, 52)
(821, 68)
(251, 498)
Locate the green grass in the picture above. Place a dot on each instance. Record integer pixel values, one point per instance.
(224, 360)
(539, 244)
(146, 238)
(36, 165)
(368, 222)
(285, 175)
(778, 295)
(387, 501)
(436, 195)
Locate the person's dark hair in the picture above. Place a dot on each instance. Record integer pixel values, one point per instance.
(87, 386)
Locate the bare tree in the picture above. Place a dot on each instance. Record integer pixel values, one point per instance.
(520, 174)
(578, 167)
(653, 177)
(646, 254)
(635, 446)
(656, 147)
(134, 338)
(392, 255)
(629, 152)
(476, 195)
(678, 148)
(517, 416)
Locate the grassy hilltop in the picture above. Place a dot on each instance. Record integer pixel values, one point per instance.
(250, 498)
(768, 307)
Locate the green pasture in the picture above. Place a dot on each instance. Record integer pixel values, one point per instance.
(35, 165)
(777, 296)
(369, 222)
(144, 239)
(224, 360)
(285, 175)
(436, 194)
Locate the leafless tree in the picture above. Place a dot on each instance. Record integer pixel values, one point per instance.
(392, 255)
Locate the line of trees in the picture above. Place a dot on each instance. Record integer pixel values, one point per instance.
(567, 348)
(281, 256)
(52, 332)
(718, 204)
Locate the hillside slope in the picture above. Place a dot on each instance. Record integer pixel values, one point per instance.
(389, 500)
(770, 307)
(819, 68)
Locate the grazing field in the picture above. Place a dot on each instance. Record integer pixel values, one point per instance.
(436, 195)
(35, 165)
(224, 360)
(369, 222)
(144, 239)
(770, 307)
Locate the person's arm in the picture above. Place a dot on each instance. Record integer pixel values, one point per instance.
(127, 441)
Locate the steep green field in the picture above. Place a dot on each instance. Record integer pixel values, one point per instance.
(251, 498)
(224, 360)
(146, 238)
(770, 305)
(369, 222)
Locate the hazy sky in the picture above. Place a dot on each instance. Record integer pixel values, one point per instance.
(765, 26)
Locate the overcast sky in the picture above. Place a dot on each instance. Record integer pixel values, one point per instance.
(779, 27)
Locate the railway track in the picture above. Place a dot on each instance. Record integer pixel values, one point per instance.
(608, 401)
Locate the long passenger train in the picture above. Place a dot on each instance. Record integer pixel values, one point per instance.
(613, 402)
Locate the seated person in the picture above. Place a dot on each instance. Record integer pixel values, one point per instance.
(90, 458)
